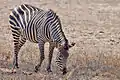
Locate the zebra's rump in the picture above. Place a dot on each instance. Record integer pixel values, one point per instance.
(20, 16)
(19, 19)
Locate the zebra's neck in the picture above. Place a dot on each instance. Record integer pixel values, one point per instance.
(56, 32)
(57, 35)
(60, 39)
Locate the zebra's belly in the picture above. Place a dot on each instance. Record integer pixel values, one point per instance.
(32, 38)
(34, 41)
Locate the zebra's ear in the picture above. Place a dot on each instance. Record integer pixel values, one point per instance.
(71, 45)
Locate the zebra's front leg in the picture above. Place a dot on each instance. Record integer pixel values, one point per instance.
(51, 48)
(41, 48)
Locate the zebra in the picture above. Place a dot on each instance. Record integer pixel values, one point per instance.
(36, 25)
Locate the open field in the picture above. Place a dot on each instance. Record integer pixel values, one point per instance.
(94, 25)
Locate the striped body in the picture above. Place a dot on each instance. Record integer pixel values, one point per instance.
(32, 21)
(36, 25)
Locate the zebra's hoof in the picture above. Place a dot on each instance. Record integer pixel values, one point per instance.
(36, 69)
(17, 67)
(49, 70)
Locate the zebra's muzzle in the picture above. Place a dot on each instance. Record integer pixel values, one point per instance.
(64, 71)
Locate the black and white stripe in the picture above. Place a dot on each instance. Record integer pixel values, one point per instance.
(39, 26)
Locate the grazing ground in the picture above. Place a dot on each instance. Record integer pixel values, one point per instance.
(94, 25)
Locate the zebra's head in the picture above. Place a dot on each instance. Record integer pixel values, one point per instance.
(62, 55)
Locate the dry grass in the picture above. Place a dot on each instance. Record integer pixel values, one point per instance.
(93, 25)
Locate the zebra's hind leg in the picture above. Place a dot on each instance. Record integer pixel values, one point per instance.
(41, 48)
(18, 43)
(51, 48)
(16, 50)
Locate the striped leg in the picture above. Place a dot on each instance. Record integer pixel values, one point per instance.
(41, 48)
(51, 48)
(18, 43)
(16, 50)
(22, 42)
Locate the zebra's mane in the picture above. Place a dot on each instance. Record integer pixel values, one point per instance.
(51, 11)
